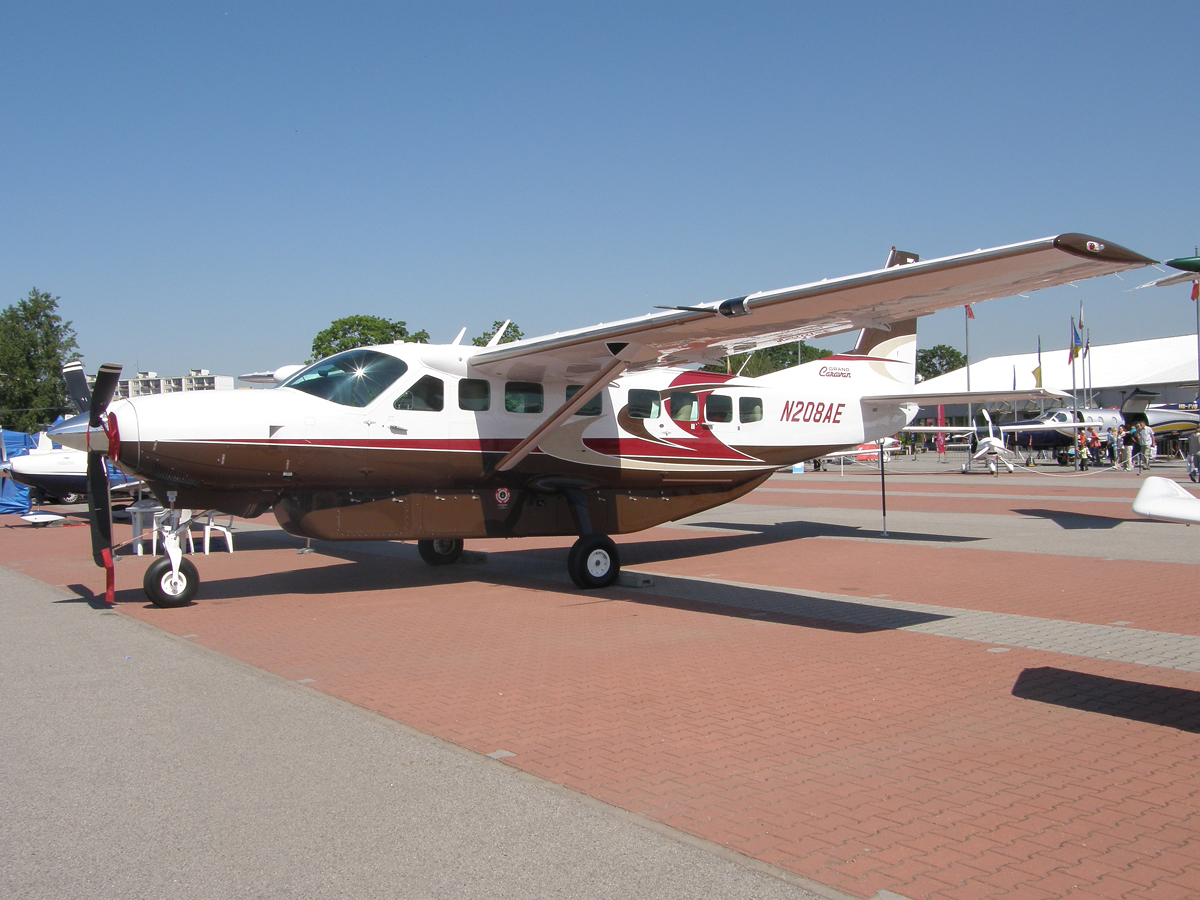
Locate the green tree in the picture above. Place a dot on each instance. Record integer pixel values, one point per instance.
(770, 359)
(938, 360)
(362, 331)
(512, 333)
(35, 342)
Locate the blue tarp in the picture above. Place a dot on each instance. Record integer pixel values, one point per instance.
(14, 498)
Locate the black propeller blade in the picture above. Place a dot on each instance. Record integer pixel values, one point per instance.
(77, 385)
(99, 501)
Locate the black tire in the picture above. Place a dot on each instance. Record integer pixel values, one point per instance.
(594, 562)
(162, 591)
(69, 499)
(440, 552)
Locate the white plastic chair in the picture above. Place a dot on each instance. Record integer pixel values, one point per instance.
(226, 531)
(143, 515)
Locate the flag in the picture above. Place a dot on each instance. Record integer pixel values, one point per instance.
(1196, 290)
(1076, 343)
(1088, 343)
(1081, 315)
(1037, 373)
(970, 312)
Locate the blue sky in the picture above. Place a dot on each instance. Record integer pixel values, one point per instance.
(208, 185)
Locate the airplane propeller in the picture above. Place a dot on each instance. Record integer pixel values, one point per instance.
(101, 441)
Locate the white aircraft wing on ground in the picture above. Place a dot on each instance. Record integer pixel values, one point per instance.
(703, 333)
(1161, 498)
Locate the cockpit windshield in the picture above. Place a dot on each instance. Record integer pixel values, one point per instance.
(351, 378)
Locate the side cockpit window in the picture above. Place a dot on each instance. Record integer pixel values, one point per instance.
(474, 394)
(593, 407)
(352, 378)
(644, 404)
(750, 409)
(427, 395)
(685, 406)
(718, 408)
(523, 397)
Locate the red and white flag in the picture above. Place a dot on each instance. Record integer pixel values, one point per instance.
(970, 312)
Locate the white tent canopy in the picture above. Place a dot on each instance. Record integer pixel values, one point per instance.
(1160, 362)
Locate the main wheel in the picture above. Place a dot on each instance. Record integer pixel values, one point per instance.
(440, 552)
(69, 499)
(167, 590)
(594, 562)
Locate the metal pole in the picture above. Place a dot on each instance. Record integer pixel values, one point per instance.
(1198, 347)
(1074, 397)
(882, 488)
(970, 411)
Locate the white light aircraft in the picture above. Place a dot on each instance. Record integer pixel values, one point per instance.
(603, 430)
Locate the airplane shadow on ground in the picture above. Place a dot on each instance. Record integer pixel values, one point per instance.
(661, 550)
(367, 572)
(1134, 700)
(1076, 521)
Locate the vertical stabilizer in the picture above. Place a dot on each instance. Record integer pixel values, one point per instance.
(892, 353)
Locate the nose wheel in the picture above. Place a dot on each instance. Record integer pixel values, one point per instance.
(167, 588)
(594, 562)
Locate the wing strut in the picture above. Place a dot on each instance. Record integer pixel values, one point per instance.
(564, 412)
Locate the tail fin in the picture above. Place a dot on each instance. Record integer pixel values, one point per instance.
(892, 353)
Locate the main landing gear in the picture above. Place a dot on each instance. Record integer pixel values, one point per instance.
(593, 561)
(440, 552)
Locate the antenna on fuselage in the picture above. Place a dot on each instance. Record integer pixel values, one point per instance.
(458, 339)
(499, 333)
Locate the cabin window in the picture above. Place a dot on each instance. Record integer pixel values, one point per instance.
(474, 394)
(523, 397)
(351, 378)
(750, 409)
(644, 405)
(685, 406)
(427, 395)
(718, 408)
(592, 408)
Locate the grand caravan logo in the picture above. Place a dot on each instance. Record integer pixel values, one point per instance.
(834, 372)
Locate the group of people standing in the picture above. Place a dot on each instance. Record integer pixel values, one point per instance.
(1119, 445)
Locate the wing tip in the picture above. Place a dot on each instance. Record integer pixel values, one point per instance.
(1089, 247)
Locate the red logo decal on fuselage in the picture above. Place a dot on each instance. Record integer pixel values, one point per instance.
(814, 412)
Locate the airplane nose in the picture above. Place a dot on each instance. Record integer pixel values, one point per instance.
(71, 433)
(74, 433)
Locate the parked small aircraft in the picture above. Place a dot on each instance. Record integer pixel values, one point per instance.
(61, 473)
(599, 431)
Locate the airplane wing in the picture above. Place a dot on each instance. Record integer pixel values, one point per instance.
(1161, 498)
(708, 331)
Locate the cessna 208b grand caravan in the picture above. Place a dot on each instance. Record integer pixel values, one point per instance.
(599, 431)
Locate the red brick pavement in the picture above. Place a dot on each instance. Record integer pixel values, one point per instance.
(867, 761)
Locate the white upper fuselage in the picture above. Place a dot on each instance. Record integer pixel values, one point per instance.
(667, 420)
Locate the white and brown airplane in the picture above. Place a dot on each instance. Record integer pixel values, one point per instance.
(603, 430)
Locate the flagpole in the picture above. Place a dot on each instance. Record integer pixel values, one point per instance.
(1091, 397)
(970, 413)
(1074, 394)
